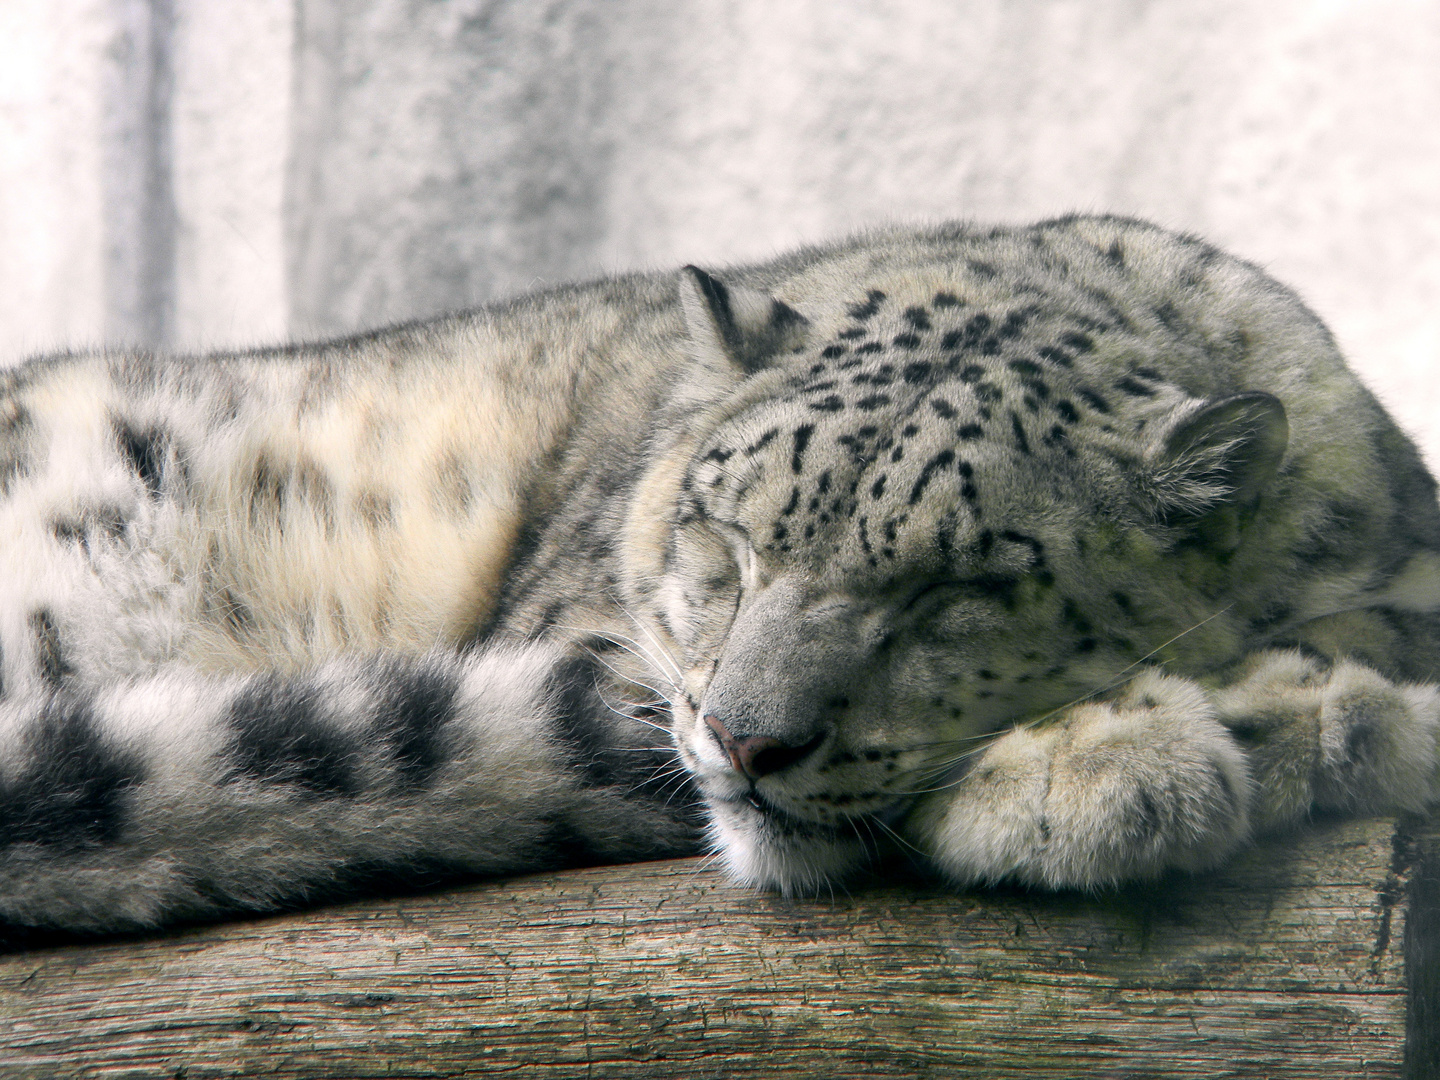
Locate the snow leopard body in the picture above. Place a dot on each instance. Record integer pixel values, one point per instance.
(1064, 554)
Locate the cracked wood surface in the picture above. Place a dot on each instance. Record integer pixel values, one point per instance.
(1310, 956)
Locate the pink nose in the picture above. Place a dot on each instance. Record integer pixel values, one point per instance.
(759, 755)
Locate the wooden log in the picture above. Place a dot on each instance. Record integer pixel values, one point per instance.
(1316, 955)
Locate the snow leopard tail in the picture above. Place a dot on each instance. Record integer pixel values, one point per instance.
(181, 796)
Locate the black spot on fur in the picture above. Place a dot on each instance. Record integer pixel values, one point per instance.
(144, 453)
(1037, 549)
(832, 351)
(1079, 342)
(416, 702)
(1169, 316)
(1014, 323)
(1363, 744)
(377, 511)
(801, 441)
(49, 650)
(279, 737)
(917, 372)
(450, 486)
(15, 426)
(268, 490)
(943, 408)
(968, 491)
(946, 300)
(1072, 614)
(907, 341)
(852, 334)
(1019, 430)
(878, 488)
(762, 442)
(85, 526)
(871, 305)
(70, 792)
(1056, 356)
(234, 615)
(945, 534)
(1134, 388)
(874, 401)
(969, 432)
(941, 460)
(793, 504)
(1148, 823)
(1067, 411)
(1094, 400)
(829, 404)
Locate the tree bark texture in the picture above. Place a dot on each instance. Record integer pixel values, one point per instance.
(1315, 955)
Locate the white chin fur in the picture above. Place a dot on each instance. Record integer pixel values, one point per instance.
(794, 866)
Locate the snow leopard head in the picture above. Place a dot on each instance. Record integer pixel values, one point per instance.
(945, 502)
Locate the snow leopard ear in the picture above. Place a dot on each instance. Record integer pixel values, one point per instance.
(1220, 456)
(732, 325)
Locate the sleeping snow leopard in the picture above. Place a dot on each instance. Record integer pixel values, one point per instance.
(1064, 554)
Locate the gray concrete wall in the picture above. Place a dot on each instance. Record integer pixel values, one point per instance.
(334, 165)
(142, 164)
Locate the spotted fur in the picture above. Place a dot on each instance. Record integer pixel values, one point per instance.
(1064, 554)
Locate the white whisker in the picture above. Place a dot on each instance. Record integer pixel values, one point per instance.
(897, 837)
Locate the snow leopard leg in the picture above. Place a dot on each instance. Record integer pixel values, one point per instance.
(1170, 774)
(180, 796)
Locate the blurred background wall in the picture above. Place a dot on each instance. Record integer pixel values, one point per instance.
(204, 173)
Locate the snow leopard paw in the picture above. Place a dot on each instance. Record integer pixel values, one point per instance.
(1109, 791)
(1332, 737)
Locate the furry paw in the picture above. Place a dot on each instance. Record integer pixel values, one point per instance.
(1111, 791)
(1338, 738)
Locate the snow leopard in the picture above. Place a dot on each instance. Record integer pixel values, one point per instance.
(1066, 555)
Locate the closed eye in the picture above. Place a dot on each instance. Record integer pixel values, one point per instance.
(742, 553)
(929, 593)
(998, 586)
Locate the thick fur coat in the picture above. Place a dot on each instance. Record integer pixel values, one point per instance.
(1064, 554)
